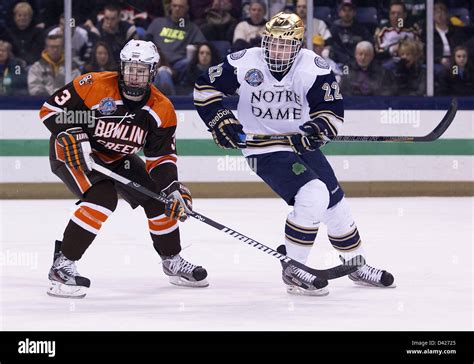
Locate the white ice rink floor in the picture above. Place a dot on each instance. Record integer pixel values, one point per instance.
(427, 243)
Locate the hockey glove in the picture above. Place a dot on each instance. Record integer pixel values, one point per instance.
(181, 202)
(226, 130)
(77, 149)
(315, 136)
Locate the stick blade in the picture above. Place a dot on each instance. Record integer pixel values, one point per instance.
(444, 124)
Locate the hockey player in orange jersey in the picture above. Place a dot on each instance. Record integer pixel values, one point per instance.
(109, 117)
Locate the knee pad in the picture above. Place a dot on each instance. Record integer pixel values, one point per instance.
(339, 219)
(311, 202)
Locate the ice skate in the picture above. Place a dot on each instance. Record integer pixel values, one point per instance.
(372, 277)
(183, 273)
(299, 282)
(65, 280)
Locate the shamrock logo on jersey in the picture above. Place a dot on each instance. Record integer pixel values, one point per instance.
(298, 168)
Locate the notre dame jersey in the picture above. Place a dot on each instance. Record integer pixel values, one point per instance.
(94, 103)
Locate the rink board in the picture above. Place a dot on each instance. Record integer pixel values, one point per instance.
(24, 150)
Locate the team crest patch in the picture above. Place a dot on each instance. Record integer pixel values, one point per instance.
(254, 77)
(107, 106)
(320, 62)
(237, 55)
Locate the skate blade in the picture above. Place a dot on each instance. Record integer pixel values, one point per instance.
(307, 292)
(365, 284)
(64, 291)
(179, 281)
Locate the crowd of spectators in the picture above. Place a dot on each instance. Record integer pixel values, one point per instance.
(374, 47)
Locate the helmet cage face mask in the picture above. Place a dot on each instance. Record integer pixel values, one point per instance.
(282, 40)
(279, 53)
(136, 77)
(138, 67)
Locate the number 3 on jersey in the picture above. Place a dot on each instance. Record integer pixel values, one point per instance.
(61, 99)
(328, 89)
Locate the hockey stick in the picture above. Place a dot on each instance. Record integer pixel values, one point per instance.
(255, 140)
(335, 272)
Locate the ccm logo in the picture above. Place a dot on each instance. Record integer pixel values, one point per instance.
(84, 80)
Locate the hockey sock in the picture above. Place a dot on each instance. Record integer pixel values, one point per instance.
(342, 231)
(302, 223)
(164, 230)
(299, 240)
(348, 245)
(97, 205)
(83, 228)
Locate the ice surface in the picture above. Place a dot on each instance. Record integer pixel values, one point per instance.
(425, 242)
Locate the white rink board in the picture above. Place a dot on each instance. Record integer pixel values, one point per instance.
(25, 125)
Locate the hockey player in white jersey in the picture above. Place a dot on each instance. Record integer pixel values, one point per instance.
(287, 90)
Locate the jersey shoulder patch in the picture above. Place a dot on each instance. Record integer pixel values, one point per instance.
(237, 55)
(244, 57)
(320, 62)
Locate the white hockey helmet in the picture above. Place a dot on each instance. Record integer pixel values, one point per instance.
(134, 55)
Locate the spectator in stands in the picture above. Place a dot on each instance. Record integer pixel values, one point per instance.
(459, 80)
(408, 76)
(174, 33)
(319, 49)
(219, 24)
(365, 76)
(102, 59)
(114, 31)
(275, 6)
(346, 33)
(388, 37)
(248, 32)
(446, 36)
(81, 41)
(470, 47)
(48, 74)
(319, 26)
(164, 76)
(83, 11)
(416, 10)
(205, 57)
(198, 9)
(12, 72)
(25, 38)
